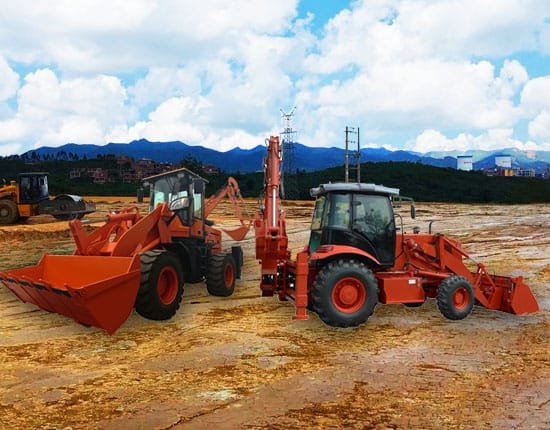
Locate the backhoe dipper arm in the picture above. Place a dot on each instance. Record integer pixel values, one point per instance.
(233, 193)
(270, 224)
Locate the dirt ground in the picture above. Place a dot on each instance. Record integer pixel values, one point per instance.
(243, 362)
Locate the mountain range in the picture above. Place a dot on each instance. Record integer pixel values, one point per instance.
(303, 157)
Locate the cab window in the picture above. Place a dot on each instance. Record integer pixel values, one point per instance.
(340, 213)
(318, 213)
(197, 205)
(373, 219)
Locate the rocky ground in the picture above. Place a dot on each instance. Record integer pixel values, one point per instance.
(243, 362)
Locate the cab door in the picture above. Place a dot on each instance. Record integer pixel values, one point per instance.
(373, 219)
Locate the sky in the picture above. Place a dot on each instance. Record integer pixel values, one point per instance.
(420, 75)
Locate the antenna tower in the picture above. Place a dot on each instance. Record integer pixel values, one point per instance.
(289, 177)
(353, 139)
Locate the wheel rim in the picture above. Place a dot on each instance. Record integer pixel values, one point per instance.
(461, 298)
(167, 285)
(349, 295)
(228, 276)
(4, 212)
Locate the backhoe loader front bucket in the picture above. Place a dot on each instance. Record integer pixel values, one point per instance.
(93, 290)
(506, 294)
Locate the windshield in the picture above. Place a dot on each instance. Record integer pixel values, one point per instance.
(166, 190)
(33, 188)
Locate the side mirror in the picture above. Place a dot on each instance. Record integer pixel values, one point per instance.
(413, 211)
(179, 203)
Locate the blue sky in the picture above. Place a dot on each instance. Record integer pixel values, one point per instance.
(420, 75)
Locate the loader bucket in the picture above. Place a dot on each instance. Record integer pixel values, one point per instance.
(93, 290)
(510, 295)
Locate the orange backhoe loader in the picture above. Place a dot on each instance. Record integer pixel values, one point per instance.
(138, 261)
(357, 258)
(29, 196)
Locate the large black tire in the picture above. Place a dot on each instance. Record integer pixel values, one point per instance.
(8, 212)
(455, 297)
(161, 287)
(344, 293)
(221, 274)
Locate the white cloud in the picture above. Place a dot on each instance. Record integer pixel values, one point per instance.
(161, 83)
(105, 36)
(53, 112)
(179, 118)
(494, 139)
(539, 128)
(9, 149)
(535, 96)
(404, 66)
(217, 74)
(403, 30)
(9, 80)
(421, 94)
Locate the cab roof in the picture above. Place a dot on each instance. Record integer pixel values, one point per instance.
(354, 187)
(32, 174)
(183, 170)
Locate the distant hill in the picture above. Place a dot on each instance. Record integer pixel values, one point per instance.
(423, 182)
(305, 157)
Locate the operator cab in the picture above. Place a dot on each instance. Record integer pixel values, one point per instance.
(33, 187)
(182, 189)
(357, 215)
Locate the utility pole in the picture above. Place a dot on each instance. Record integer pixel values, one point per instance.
(352, 137)
(289, 179)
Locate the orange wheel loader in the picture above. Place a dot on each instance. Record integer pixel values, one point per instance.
(357, 257)
(138, 261)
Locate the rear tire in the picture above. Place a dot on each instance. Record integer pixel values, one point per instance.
(344, 293)
(222, 271)
(455, 297)
(8, 212)
(161, 287)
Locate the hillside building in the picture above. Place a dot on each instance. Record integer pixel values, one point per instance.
(465, 162)
(525, 173)
(210, 170)
(503, 160)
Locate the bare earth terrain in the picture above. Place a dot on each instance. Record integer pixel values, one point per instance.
(243, 362)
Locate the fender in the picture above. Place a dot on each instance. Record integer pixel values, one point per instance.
(326, 251)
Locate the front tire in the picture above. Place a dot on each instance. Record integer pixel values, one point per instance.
(8, 212)
(161, 287)
(455, 297)
(344, 293)
(222, 271)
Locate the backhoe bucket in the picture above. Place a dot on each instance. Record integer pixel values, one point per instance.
(93, 290)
